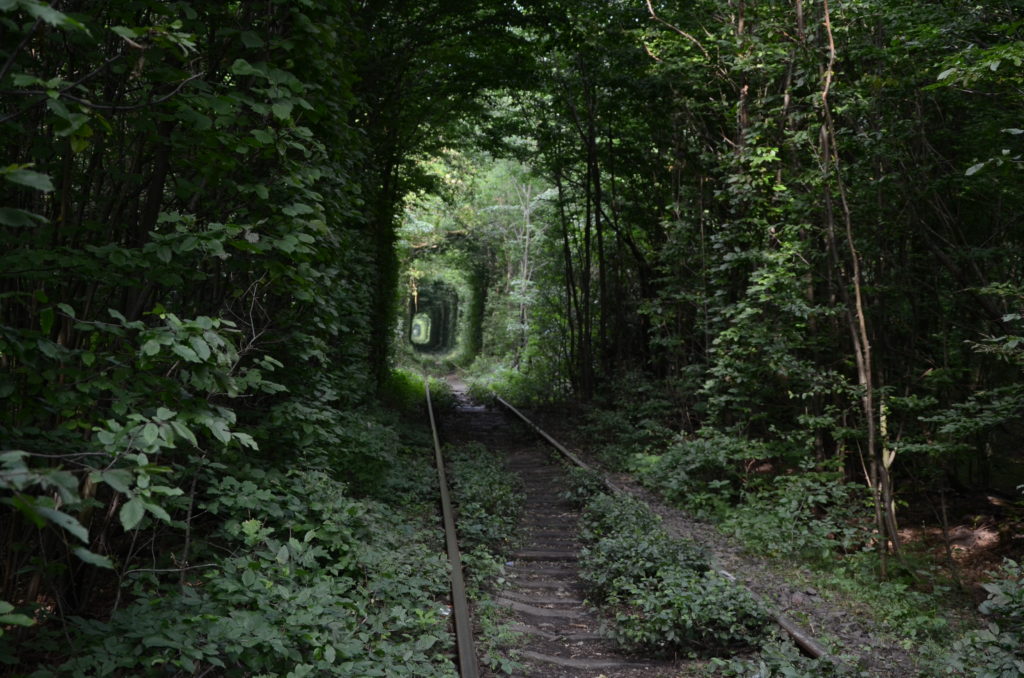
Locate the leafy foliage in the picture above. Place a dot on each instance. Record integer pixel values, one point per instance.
(664, 596)
(319, 584)
(811, 515)
(197, 212)
(778, 660)
(488, 500)
(994, 651)
(702, 475)
(584, 484)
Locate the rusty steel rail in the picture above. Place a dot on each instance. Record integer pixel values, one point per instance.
(468, 665)
(801, 638)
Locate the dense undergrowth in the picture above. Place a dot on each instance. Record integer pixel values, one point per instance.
(807, 513)
(275, 569)
(295, 578)
(488, 502)
(662, 593)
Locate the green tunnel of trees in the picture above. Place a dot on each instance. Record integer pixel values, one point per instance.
(803, 220)
(433, 318)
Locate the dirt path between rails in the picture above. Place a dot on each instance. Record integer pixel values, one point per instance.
(561, 636)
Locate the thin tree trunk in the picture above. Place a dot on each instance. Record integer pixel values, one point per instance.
(571, 302)
(879, 478)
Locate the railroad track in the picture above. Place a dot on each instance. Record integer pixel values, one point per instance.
(543, 593)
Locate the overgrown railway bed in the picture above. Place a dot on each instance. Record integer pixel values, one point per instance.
(560, 635)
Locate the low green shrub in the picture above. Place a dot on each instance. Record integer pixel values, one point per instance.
(996, 651)
(616, 436)
(607, 514)
(701, 475)
(778, 659)
(442, 395)
(662, 592)
(298, 579)
(583, 484)
(613, 562)
(488, 499)
(1005, 601)
(488, 502)
(700, 613)
(538, 380)
(811, 514)
(898, 605)
(403, 390)
(360, 445)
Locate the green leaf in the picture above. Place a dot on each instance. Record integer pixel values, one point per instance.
(297, 209)
(251, 40)
(151, 347)
(40, 10)
(26, 79)
(27, 505)
(88, 358)
(150, 433)
(219, 429)
(167, 491)
(120, 479)
(185, 352)
(160, 641)
(131, 513)
(79, 143)
(67, 310)
(184, 431)
(30, 178)
(263, 136)
(242, 67)
(93, 558)
(201, 348)
(282, 109)
(164, 414)
(7, 619)
(65, 521)
(46, 320)
(10, 216)
(48, 348)
(125, 32)
(246, 440)
(158, 511)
